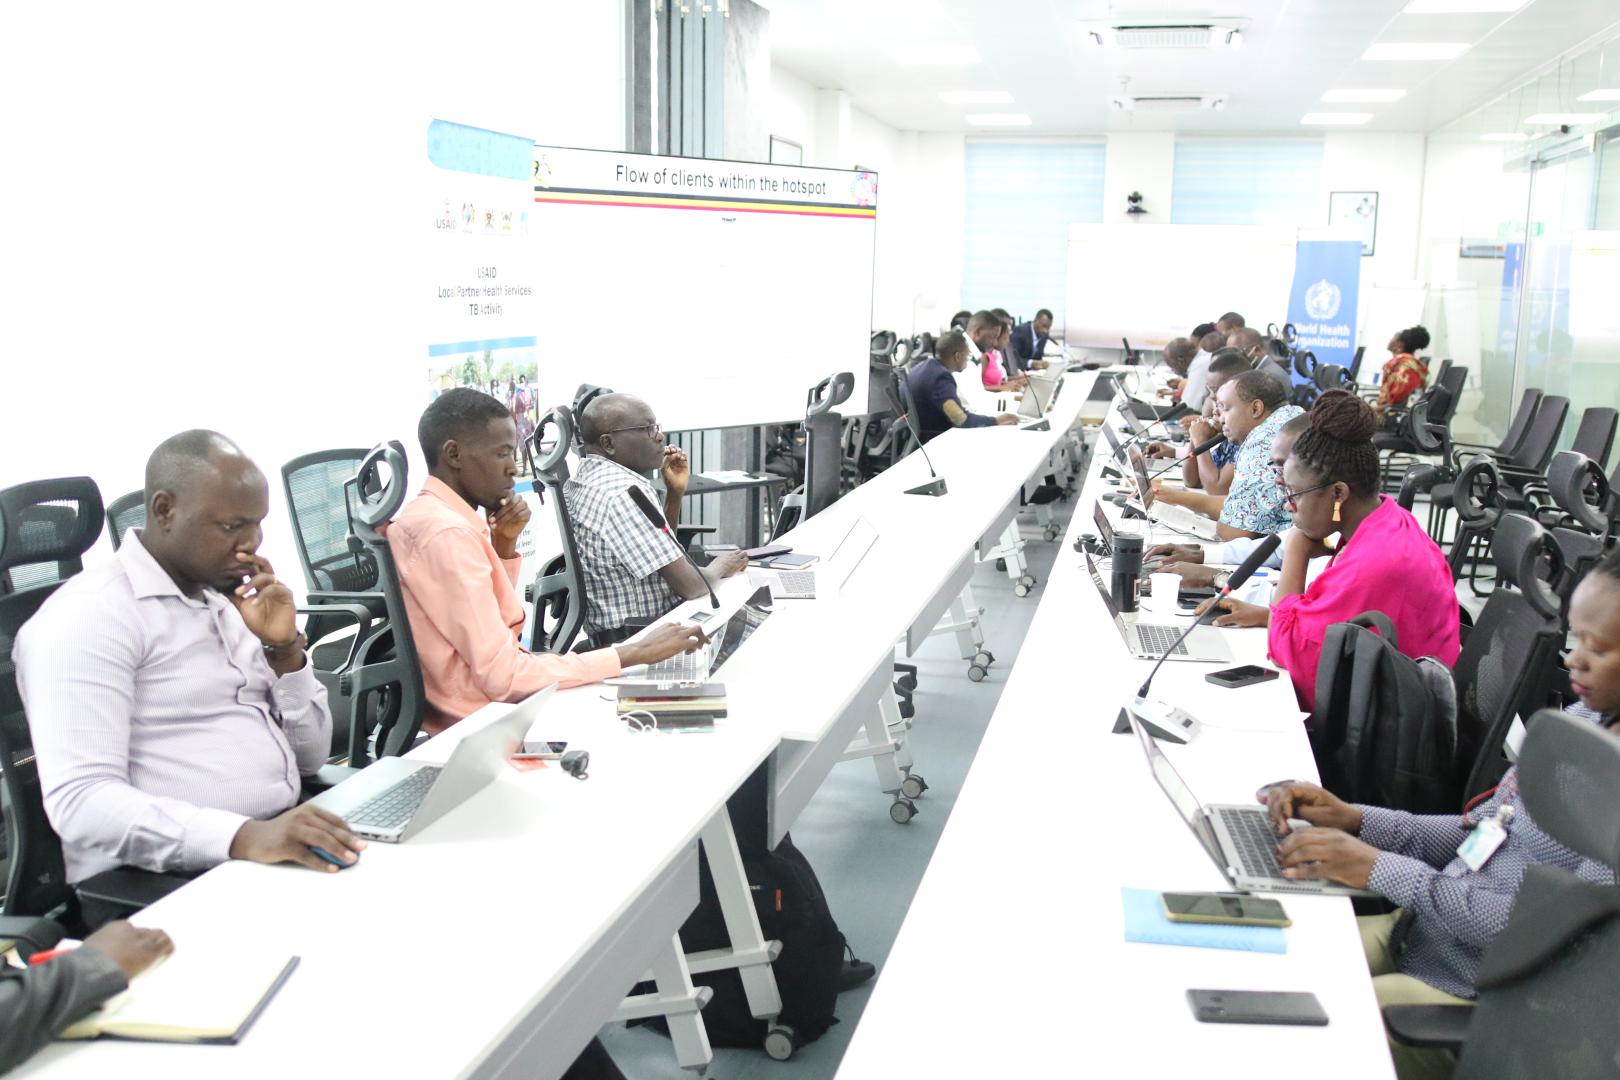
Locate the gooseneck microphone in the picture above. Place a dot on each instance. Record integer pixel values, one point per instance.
(1202, 448)
(1166, 721)
(639, 497)
(936, 485)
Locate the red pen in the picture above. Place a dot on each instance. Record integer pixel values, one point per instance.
(49, 954)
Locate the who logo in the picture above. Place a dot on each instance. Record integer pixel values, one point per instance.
(1322, 300)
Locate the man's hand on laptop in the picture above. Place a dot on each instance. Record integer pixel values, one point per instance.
(660, 644)
(291, 837)
(1238, 614)
(1327, 853)
(1308, 802)
(1006, 419)
(1186, 553)
(1191, 573)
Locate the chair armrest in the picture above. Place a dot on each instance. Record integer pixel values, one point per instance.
(362, 615)
(374, 602)
(1442, 1026)
(29, 934)
(325, 778)
(685, 534)
(129, 887)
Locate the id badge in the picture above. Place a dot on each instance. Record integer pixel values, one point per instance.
(1481, 844)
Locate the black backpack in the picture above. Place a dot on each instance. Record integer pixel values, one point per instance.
(792, 909)
(1384, 731)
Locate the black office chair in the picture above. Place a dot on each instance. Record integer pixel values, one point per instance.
(823, 452)
(46, 526)
(1355, 363)
(125, 513)
(1476, 497)
(1424, 427)
(1505, 668)
(1535, 452)
(1417, 479)
(558, 590)
(1547, 989)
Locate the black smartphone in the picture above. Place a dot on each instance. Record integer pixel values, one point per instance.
(1256, 1007)
(1231, 909)
(1247, 675)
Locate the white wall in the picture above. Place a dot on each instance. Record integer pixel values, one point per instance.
(1466, 194)
(793, 111)
(228, 216)
(1144, 162)
(1391, 165)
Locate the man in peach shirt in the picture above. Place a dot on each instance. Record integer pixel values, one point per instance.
(456, 548)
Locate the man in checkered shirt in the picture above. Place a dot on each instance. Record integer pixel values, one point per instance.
(1429, 951)
(634, 571)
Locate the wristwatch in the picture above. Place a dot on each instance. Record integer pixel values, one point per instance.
(1221, 578)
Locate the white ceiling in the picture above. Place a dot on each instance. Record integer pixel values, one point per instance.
(1293, 51)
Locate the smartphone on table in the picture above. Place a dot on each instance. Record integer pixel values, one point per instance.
(1256, 1007)
(1247, 675)
(1232, 909)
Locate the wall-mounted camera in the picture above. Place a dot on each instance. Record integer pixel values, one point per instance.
(1133, 203)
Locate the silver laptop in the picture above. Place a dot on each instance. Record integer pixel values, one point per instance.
(1178, 518)
(1239, 839)
(394, 799)
(1038, 395)
(695, 667)
(831, 575)
(1149, 640)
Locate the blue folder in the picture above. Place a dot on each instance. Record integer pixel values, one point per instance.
(1145, 921)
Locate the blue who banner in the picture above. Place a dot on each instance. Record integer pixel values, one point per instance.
(1322, 303)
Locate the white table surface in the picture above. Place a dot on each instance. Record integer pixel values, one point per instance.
(1012, 959)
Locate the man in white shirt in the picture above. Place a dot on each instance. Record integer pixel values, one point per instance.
(1196, 391)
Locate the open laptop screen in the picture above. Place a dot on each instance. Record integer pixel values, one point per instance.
(1181, 796)
(743, 622)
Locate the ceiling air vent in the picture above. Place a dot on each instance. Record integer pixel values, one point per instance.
(1166, 103)
(1167, 34)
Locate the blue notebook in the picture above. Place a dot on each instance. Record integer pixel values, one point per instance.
(1145, 921)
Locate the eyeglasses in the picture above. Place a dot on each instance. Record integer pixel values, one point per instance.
(1291, 497)
(654, 431)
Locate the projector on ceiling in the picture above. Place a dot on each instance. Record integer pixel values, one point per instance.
(1167, 33)
(1166, 103)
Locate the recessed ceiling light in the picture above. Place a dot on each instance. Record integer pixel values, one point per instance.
(998, 119)
(975, 97)
(1415, 50)
(1600, 95)
(1504, 136)
(1365, 96)
(1461, 7)
(1559, 118)
(1336, 118)
(934, 55)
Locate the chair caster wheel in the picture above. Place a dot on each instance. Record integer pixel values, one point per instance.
(1020, 589)
(1050, 532)
(977, 673)
(780, 1042)
(901, 811)
(1028, 579)
(907, 710)
(984, 658)
(1001, 564)
(912, 787)
(907, 683)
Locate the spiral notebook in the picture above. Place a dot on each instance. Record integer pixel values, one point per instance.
(195, 997)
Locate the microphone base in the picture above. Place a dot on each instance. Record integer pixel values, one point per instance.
(1111, 473)
(1163, 721)
(935, 486)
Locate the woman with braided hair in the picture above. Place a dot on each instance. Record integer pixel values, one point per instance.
(1382, 560)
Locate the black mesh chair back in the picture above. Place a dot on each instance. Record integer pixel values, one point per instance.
(332, 559)
(1331, 377)
(1476, 496)
(583, 396)
(1355, 362)
(883, 343)
(1519, 426)
(558, 591)
(1506, 665)
(46, 526)
(1451, 378)
(124, 513)
(1419, 426)
(1547, 992)
(385, 683)
(1542, 437)
(824, 438)
(1582, 523)
(1305, 365)
(1595, 436)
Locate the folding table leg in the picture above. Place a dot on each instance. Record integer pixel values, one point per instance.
(750, 953)
(686, 1028)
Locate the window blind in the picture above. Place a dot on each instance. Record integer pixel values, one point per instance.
(1247, 182)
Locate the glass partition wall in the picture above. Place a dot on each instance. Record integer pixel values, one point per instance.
(1522, 244)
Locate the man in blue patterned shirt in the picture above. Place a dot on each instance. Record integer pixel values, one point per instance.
(1451, 907)
(1252, 408)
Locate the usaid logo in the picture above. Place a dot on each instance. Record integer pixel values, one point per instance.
(1322, 300)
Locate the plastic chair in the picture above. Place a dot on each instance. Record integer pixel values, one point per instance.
(1547, 993)
(125, 513)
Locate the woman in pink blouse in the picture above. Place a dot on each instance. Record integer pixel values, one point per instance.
(1383, 559)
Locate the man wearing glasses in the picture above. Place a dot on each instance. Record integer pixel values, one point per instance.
(634, 572)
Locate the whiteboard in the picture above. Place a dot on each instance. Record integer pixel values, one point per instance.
(718, 291)
(1150, 283)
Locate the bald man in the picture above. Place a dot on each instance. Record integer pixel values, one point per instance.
(634, 572)
(172, 707)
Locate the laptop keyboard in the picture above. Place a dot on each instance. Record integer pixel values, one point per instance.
(394, 806)
(683, 667)
(1157, 637)
(799, 581)
(1256, 842)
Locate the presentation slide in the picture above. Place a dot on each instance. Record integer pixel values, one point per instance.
(1150, 283)
(718, 291)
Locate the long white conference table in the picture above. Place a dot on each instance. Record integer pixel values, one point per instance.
(496, 942)
(1012, 959)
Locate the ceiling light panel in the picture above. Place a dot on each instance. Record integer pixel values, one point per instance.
(1415, 50)
(1336, 118)
(934, 55)
(1462, 7)
(1601, 95)
(1504, 136)
(998, 119)
(1559, 118)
